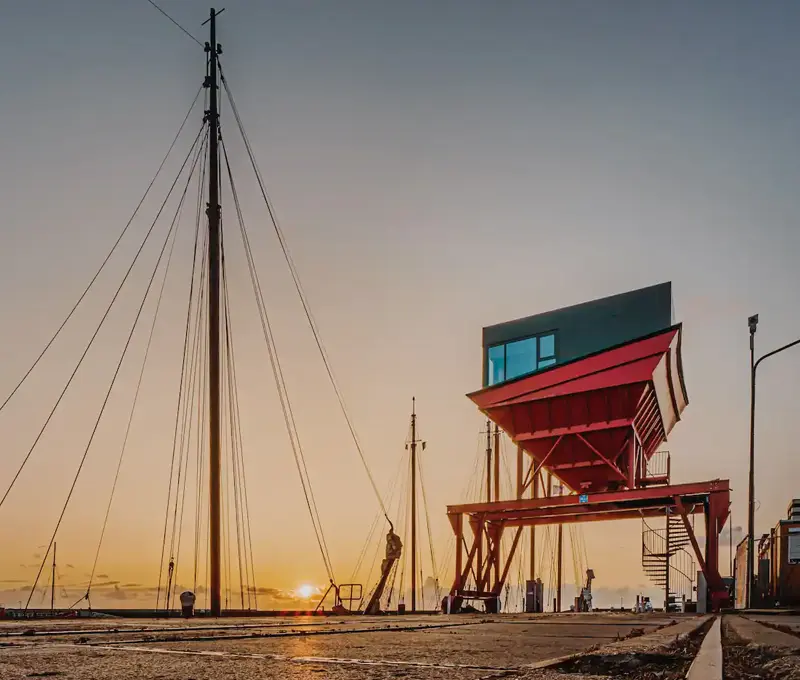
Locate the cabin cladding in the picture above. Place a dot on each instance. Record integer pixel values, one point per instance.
(526, 345)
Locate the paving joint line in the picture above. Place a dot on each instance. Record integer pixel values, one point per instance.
(304, 633)
(282, 657)
(144, 629)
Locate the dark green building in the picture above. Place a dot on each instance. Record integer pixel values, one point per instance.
(523, 346)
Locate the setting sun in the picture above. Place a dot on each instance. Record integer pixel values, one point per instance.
(305, 591)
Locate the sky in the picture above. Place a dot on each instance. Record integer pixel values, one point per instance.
(436, 167)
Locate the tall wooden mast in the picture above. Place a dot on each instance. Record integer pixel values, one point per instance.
(213, 211)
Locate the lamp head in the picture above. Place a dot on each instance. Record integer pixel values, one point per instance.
(752, 322)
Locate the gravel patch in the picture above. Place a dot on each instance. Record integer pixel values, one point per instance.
(670, 662)
(744, 660)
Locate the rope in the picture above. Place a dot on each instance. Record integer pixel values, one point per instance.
(241, 546)
(238, 432)
(286, 407)
(430, 534)
(107, 258)
(177, 412)
(187, 416)
(114, 377)
(401, 464)
(175, 22)
(97, 330)
(392, 490)
(133, 411)
(198, 524)
(301, 294)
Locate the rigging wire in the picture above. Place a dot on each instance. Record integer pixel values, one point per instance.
(430, 534)
(132, 413)
(236, 433)
(187, 420)
(234, 448)
(198, 528)
(116, 371)
(99, 326)
(176, 23)
(180, 394)
(301, 294)
(401, 465)
(108, 256)
(195, 394)
(373, 527)
(286, 407)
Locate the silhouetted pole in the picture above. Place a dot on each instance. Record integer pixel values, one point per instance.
(666, 577)
(496, 463)
(413, 504)
(751, 520)
(534, 494)
(560, 560)
(213, 211)
(53, 584)
(488, 461)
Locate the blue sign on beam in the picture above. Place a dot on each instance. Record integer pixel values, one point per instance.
(583, 498)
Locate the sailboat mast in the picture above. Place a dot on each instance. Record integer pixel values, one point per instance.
(413, 505)
(53, 583)
(213, 211)
(488, 461)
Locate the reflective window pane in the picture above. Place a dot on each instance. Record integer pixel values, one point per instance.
(546, 362)
(520, 357)
(547, 346)
(497, 364)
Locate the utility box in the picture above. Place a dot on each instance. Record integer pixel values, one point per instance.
(702, 594)
(534, 597)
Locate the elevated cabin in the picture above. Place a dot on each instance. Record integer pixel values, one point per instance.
(590, 391)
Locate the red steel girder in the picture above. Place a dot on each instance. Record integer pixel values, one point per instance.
(662, 493)
(711, 498)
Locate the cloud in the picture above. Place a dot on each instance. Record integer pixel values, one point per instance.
(105, 576)
(70, 566)
(13, 580)
(115, 594)
(280, 595)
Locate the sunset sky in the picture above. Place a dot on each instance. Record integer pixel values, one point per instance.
(436, 167)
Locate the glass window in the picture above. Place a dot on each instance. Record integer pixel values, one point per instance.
(509, 361)
(520, 357)
(496, 364)
(547, 348)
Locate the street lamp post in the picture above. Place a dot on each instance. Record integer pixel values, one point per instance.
(753, 323)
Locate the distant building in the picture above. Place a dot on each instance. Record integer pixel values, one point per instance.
(530, 344)
(777, 577)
